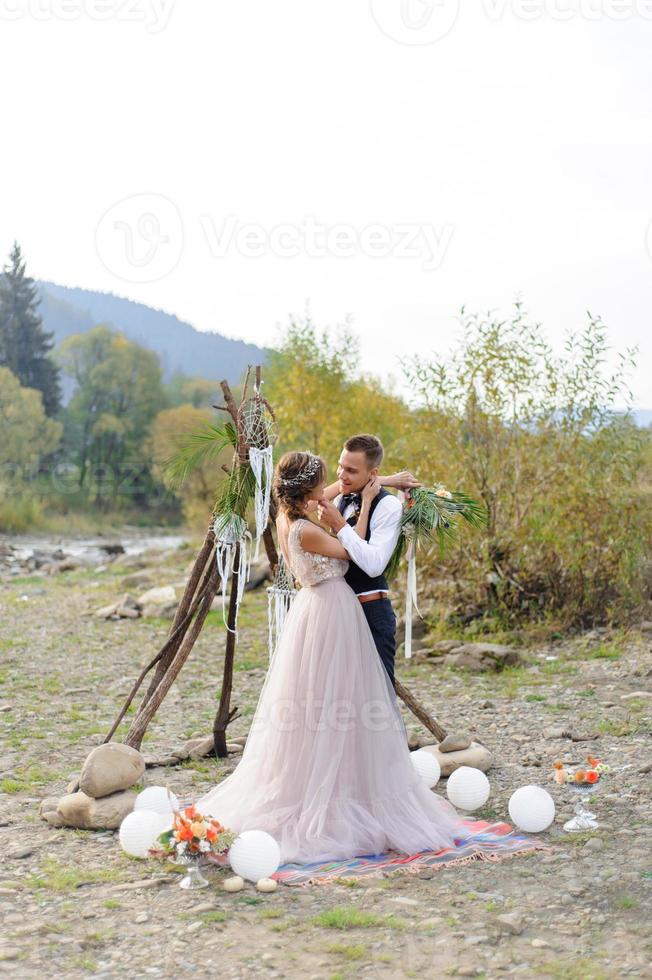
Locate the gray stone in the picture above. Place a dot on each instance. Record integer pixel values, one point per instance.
(86, 813)
(109, 768)
(454, 742)
(511, 922)
(476, 756)
(483, 656)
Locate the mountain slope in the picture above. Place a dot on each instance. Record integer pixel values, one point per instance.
(67, 310)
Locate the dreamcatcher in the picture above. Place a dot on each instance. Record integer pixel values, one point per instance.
(230, 531)
(258, 427)
(279, 600)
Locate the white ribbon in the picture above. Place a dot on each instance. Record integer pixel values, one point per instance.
(230, 532)
(262, 467)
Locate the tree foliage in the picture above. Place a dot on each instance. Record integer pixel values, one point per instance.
(24, 345)
(537, 438)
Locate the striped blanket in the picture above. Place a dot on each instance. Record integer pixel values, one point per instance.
(485, 842)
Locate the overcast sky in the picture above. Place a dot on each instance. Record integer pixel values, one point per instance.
(390, 161)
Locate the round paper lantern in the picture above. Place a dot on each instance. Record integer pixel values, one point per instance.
(468, 788)
(427, 766)
(156, 799)
(254, 855)
(532, 808)
(138, 831)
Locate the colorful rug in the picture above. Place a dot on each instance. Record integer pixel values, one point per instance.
(485, 842)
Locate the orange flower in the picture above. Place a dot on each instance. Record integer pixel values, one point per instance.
(592, 762)
(558, 765)
(218, 826)
(211, 834)
(185, 833)
(592, 776)
(580, 775)
(190, 813)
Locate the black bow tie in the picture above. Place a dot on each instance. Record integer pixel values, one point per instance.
(351, 498)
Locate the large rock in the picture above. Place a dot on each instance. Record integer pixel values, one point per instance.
(81, 810)
(158, 596)
(109, 768)
(165, 610)
(483, 656)
(476, 756)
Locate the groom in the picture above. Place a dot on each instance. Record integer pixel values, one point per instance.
(361, 486)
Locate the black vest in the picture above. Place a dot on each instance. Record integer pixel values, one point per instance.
(356, 578)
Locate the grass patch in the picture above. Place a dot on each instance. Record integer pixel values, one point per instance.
(535, 697)
(271, 913)
(605, 651)
(626, 902)
(57, 877)
(26, 779)
(343, 917)
(348, 952)
(581, 969)
(216, 915)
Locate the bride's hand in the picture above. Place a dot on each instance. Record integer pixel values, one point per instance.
(371, 490)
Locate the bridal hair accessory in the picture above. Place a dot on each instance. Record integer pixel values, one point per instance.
(429, 514)
(308, 471)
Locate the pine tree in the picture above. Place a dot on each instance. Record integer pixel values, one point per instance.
(24, 344)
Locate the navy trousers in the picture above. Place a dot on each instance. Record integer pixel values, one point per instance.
(382, 623)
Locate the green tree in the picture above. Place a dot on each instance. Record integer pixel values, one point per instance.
(27, 436)
(320, 397)
(24, 344)
(118, 392)
(537, 438)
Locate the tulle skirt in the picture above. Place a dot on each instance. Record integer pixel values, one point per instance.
(326, 769)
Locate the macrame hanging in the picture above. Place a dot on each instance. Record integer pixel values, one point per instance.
(410, 591)
(279, 599)
(258, 428)
(230, 531)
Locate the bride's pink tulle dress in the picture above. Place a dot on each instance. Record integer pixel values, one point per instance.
(326, 769)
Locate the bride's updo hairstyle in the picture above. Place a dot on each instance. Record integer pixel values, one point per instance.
(296, 475)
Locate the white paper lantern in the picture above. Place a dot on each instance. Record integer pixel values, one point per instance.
(157, 800)
(138, 831)
(532, 808)
(427, 766)
(254, 855)
(468, 788)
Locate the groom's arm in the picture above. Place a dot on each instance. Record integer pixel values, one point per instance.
(399, 481)
(373, 555)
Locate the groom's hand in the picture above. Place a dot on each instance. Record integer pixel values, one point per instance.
(400, 481)
(330, 515)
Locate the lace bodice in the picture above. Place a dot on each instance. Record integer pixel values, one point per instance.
(307, 567)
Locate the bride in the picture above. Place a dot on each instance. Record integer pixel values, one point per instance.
(326, 768)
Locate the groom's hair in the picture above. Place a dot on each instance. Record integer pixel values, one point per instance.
(371, 446)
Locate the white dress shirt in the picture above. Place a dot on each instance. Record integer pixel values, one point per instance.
(373, 555)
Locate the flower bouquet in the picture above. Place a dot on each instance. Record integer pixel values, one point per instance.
(430, 514)
(190, 837)
(582, 780)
